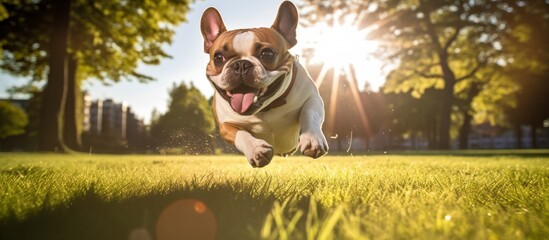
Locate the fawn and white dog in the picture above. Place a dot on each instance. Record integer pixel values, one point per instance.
(265, 102)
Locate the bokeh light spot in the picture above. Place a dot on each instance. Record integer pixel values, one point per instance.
(199, 207)
(186, 219)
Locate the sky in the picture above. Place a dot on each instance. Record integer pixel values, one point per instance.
(188, 62)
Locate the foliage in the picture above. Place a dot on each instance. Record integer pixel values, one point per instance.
(100, 40)
(108, 38)
(464, 48)
(528, 57)
(526, 36)
(187, 124)
(497, 93)
(444, 195)
(24, 37)
(32, 109)
(425, 32)
(113, 37)
(445, 45)
(13, 120)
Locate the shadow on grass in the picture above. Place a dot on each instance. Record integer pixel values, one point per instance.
(200, 214)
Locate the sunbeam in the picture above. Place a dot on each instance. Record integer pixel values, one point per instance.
(345, 49)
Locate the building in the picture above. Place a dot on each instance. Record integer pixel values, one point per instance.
(86, 120)
(114, 119)
(109, 118)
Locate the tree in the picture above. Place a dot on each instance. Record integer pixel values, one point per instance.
(415, 118)
(32, 108)
(434, 44)
(528, 52)
(107, 40)
(55, 92)
(13, 120)
(188, 123)
(483, 98)
(531, 105)
(441, 44)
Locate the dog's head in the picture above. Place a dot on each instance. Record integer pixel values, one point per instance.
(249, 68)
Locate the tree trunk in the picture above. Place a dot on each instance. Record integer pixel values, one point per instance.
(449, 81)
(414, 139)
(429, 139)
(534, 135)
(464, 130)
(72, 114)
(445, 120)
(447, 102)
(518, 135)
(432, 133)
(53, 96)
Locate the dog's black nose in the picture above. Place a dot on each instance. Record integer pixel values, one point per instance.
(241, 67)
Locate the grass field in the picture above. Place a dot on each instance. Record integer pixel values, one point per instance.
(447, 195)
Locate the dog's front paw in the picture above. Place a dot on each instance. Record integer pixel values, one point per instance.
(313, 144)
(259, 153)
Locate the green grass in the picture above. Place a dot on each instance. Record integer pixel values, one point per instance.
(447, 195)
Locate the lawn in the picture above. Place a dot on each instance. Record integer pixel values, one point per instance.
(443, 195)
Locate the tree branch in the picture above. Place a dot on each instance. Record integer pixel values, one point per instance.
(431, 30)
(458, 26)
(422, 73)
(471, 73)
(425, 75)
(452, 38)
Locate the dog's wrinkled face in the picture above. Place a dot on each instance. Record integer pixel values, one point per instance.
(249, 67)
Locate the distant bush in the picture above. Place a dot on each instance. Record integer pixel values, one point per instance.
(13, 120)
(187, 126)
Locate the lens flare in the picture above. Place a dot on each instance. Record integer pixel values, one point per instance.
(342, 45)
(186, 219)
(199, 207)
(347, 50)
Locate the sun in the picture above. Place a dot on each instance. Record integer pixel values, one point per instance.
(345, 49)
(343, 46)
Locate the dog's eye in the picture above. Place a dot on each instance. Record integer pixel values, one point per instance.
(267, 54)
(218, 57)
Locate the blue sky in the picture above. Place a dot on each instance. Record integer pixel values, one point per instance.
(188, 63)
(344, 42)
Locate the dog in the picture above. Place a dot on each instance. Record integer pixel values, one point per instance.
(265, 102)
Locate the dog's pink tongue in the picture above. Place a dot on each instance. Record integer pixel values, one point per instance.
(243, 99)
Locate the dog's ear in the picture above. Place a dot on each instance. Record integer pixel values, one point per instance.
(286, 22)
(211, 26)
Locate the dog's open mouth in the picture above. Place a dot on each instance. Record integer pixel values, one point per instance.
(246, 100)
(242, 98)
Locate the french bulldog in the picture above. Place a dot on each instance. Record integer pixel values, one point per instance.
(265, 102)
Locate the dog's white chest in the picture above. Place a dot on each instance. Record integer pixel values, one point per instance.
(279, 127)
